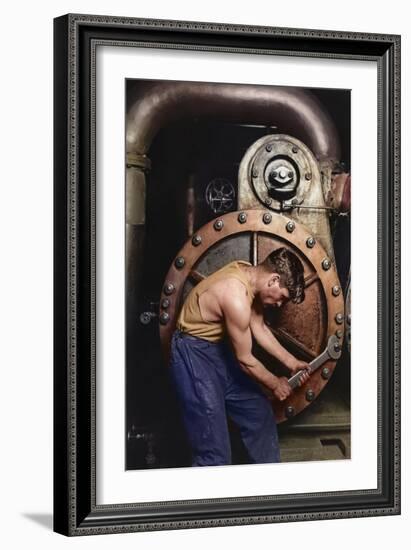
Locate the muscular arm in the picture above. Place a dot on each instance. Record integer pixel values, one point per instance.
(269, 342)
(266, 338)
(237, 313)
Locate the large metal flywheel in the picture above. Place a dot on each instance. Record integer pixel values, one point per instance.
(303, 329)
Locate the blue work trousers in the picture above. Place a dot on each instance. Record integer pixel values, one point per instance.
(210, 384)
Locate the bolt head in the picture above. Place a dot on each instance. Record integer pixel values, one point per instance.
(326, 373)
(295, 149)
(218, 225)
(339, 318)
(310, 242)
(165, 303)
(242, 217)
(267, 218)
(289, 411)
(164, 318)
(339, 333)
(254, 173)
(268, 201)
(169, 288)
(196, 240)
(268, 147)
(336, 290)
(179, 262)
(308, 176)
(290, 226)
(326, 264)
(309, 395)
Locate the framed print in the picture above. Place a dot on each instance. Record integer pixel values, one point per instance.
(227, 275)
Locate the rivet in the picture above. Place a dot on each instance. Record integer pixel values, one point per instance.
(179, 262)
(295, 149)
(169, 288)
(255, 173)
(196, 240)
(339, 333)
(336, 290)
(326, 264)
(267, 218)
(290, 226)
(165, 303)
(326, 373)
(289, 411)
(308, 176)
(164, 318)
(218, 225)
(310, 242)
(242, 217)
(309, 395)
(268, 148)
(339, 318)
(268, 201)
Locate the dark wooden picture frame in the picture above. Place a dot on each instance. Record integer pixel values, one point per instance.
(75, 508)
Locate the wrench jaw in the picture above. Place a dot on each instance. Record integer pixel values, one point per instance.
(332, 351)
(334, 347)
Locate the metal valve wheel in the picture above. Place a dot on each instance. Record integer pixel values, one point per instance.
(303, 329)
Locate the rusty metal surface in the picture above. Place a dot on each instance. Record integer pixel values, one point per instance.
(294, 110)
(304, 330)
(338, 195)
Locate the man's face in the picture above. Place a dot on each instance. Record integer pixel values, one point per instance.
(273, 294)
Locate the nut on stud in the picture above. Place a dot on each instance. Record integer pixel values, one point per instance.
(242, 217)
(290, 226)
(169, 288)
(339, 318)
(336, 290)
(309, 395)
(267, 218)
(326, 264)
(218, 225)
(289, 411)
(164, 318)
(310, 242)
(325, 373)
(179, 262)
(196, 240)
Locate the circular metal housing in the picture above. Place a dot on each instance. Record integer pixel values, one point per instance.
(303, 328)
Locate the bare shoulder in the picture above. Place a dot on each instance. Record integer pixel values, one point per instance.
(234, 300)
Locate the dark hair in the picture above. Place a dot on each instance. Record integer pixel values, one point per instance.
(291, 271)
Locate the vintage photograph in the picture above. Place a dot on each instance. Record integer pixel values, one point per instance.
(237, 274)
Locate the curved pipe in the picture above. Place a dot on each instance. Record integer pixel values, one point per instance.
(292, 110)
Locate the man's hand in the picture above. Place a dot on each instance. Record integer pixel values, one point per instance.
(296, 365)
(282, 388)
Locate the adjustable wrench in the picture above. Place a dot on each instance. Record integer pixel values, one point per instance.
(332, 351)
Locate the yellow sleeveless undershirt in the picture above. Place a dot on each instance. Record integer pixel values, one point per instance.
(190, 319)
